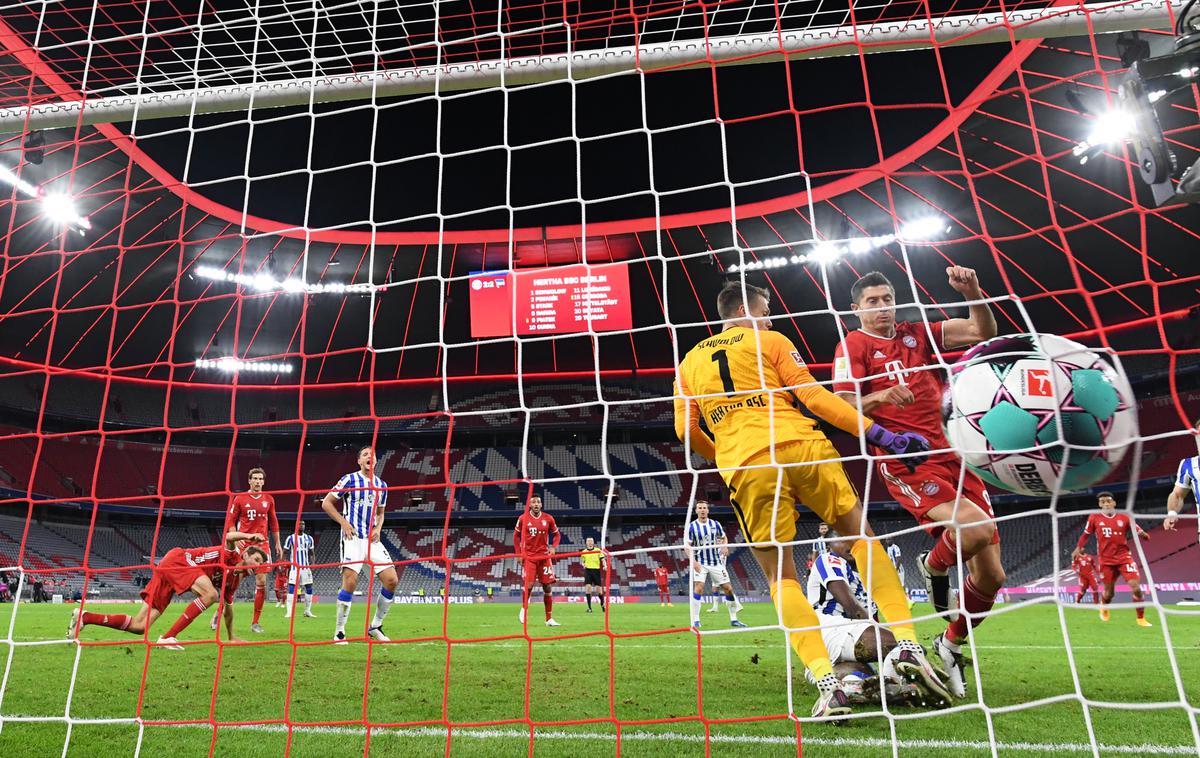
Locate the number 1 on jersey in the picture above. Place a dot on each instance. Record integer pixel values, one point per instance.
(722, 360)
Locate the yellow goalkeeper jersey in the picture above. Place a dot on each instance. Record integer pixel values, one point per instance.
(719, 381)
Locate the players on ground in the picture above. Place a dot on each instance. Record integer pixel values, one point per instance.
(253, 512)
(662, 578)
(896, 367)
(747, 385)
(363, 497)
(706, 546)
(531, 541)
(1187, 480)
(1110, 528)
(855, 643)
(211, 573)
(300, 546)
(1084, 565)
(594, 562)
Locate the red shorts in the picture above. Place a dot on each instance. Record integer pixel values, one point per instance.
(1088, 583)
(1127, 569)
(539, 571)
(934, 483)
(280, 580)
(166, 583)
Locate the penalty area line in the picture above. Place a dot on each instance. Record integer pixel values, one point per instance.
(731, 739)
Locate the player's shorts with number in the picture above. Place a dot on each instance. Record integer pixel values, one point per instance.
(166, 583)
(539, 571)
(594, 577)
(305, 576)
(359, 550)
(934, 483)
(718, 574)
(1128, 568)
(764, 499)
(841, 635)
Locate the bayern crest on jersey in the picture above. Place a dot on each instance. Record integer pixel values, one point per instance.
(910, 341)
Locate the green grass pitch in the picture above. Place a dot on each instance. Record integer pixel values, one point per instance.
(1022, 657)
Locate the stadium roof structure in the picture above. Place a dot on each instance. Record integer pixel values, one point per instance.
(683, 172)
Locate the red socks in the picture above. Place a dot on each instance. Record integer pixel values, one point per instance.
(260, 597)
(944, 555)
(1141, 612)
(973, 602)
(548, 601)
(117, 621)
(194, 609)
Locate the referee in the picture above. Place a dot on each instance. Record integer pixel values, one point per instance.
(594, 563)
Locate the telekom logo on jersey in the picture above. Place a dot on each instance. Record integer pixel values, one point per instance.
(896, 372)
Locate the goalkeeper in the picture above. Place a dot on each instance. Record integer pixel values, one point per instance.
(747, 384)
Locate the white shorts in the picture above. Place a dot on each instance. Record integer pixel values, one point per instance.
(718, 574)
(355, 552)
(840, 635)
(305, 576)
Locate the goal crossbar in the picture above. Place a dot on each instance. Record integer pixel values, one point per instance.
(817, 42)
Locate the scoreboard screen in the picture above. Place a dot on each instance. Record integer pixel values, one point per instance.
(559, 300)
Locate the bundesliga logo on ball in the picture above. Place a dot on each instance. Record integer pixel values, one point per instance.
(1036, 414)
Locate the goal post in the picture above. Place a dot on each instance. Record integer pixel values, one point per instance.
(817, 42)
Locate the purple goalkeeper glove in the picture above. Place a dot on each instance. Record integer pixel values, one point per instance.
(899, 444)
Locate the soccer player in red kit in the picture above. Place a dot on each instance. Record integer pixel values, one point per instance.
(1115, 558)
(664, 589)
(895, 365)
(209, 572)
(1084, 565)
(531, 541)
(280, 585)
(253, 512)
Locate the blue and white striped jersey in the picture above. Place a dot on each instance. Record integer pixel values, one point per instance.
(301, 548)
(359, 497)
(831, 567)
(893, 552)
(1188, 476)
(705, 538)
(820, 547)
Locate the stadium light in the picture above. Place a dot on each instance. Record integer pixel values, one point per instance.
(230, 365)
(268, 283)
(924, 229)
(821, 253)
(60, 209)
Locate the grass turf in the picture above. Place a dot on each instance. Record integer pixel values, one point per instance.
(1021, 657)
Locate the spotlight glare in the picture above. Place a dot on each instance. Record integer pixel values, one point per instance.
(60, 209)
(924, 229)
(826, 252)
(1112, 127)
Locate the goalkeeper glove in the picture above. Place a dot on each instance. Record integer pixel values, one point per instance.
(899, 444)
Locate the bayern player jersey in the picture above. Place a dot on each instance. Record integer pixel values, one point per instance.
(532, 535)
(830, 567)
(300, 548)
(704, 538)
(1110, 537)
(211, 561)
(908, 358)
(1188, 475)
(360, 497)
(252, 514)
(660, 575)
(1084, 565)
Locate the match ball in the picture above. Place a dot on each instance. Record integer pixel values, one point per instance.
(1039, 414)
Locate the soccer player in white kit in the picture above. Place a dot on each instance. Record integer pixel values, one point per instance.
(300, 545)
(705, 542)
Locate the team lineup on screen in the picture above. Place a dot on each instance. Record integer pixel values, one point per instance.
(746, 401)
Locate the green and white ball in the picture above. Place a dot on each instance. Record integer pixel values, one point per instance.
(1039, 414)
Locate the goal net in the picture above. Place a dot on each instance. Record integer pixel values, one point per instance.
(479, 239)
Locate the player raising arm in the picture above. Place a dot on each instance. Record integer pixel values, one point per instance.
(531, 542)
(1187, 480)
(1110, 528)
(209, 572)
(743, 383)
(896, 367)
(253, 512)
(363, 497)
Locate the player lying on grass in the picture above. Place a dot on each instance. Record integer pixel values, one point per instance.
(748, 385)
(854, 641)
(201, 570)
(1110, 528)
(897, 368)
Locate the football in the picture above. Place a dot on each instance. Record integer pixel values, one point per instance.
(1039, 414)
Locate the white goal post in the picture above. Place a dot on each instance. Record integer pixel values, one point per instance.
(816, 42)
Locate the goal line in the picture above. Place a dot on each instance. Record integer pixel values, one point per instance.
(816, 42)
